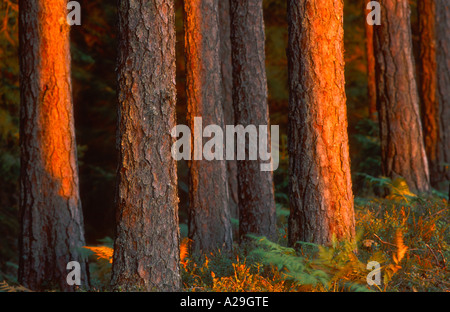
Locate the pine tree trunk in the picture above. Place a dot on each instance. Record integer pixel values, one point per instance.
(50, 208)
(442, 161)
(403, 152)
(434, 88)
(146, 251)
(227, 89)
(321, 198)
(209, 215)
(428, 82)
(257, 214)
(370, 58)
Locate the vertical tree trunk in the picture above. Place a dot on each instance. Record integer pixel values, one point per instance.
(257, 212)
(434, 88)
(403, 152)
(50, 208)
(370, 58)
(209, 215)
(227, 90)
(443, 78)
(428, 82)
(321, 197)
(146, 251)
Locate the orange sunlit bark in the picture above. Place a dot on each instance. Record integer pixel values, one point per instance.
(193, 48)
(51, 215)
(56, 116)
(321, 197)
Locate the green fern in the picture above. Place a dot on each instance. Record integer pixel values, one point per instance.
(329, 268)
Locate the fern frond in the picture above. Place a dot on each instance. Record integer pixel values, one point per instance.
(401, 248)
(5, 287)
(102, 252)
(184, 251)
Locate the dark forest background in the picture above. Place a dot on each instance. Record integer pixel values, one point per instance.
(94, 79)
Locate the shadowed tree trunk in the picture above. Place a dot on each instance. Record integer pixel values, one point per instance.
(443, 73)
(403, 152)
(257, 214)
(50, 208)
(146, 249)
(321, 198)
(434, 84)
(228, 110)
(370, 58)
(209, 215)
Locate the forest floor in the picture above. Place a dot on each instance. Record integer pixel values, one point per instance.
(408, 236)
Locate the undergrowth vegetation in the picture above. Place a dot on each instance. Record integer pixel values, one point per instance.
(408, 235)
(410, 239)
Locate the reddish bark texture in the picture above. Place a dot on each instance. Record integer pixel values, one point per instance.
(321, 198)
(50, 209)
(209, 215)
(443, 88)
(146, 250)
(370, 58)
(403, 152)
(434, 84)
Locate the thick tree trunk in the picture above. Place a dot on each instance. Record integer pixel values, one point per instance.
(146, 251)
(257, 214)
(370, 58)
(321, 198)
(50, 208)
(434, 24)
(403, 152)
(209, 215)
(227, 90)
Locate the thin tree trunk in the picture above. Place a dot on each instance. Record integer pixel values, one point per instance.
(403, 152)
(428, 83)
(209, 215)
(434, 29)
(257, 214)
(321, 198)
(50, 208)
(442, 162)
(227, 89)
(146, 250)
(370, 58)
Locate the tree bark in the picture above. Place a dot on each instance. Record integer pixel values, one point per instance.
(209, 215)
(428, 81)
(50, 209)
(227, 91)
(403, 152)
(370, 58)
(257, 214)
(434, 28)
(321, 198)
(146, 250)
(443, 98)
